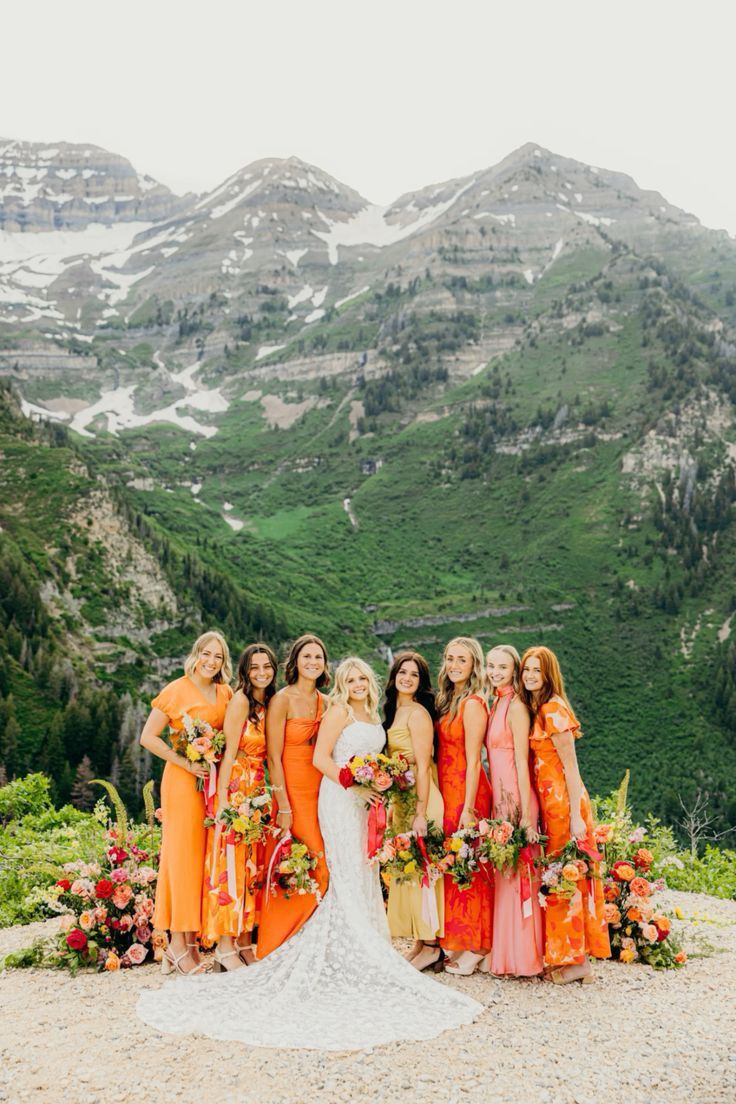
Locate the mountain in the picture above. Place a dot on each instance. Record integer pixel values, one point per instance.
(503, 405)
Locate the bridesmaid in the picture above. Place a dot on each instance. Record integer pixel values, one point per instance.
(518, 939)
(409, 715)
(461, 728)
(230, 912)
(292, 723)
(577, 928)
(203, 692)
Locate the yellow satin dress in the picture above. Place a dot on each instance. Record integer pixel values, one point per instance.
(408, 916)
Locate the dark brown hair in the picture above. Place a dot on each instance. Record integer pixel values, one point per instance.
(290, 670)
(424, 695)
(244, 682)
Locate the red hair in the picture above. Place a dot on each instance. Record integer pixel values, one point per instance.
(553, 684)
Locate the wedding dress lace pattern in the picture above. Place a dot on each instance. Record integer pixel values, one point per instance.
(337, 984)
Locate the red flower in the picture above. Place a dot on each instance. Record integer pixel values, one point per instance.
(345, 777)
(76, 940)
(104, 889)
(117, 855)
(65, 884)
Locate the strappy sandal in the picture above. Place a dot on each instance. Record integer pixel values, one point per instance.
(557, 977)
(243, 954)
(171, 963)
(219, 963)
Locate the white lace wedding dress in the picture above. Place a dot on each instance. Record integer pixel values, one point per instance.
(337, 984)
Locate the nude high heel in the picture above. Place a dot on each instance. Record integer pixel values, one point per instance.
(219, 963)
(465, 964)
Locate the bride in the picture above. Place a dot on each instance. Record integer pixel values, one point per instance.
(337, 984)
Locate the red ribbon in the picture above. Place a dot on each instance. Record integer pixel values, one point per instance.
(376, 828)
(423, 851)
(589, 850)
(526, 856)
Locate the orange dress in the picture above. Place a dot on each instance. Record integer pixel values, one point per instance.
(282, 918)
(231, 897)
(468, 912)
(574, 928)
(181, 866)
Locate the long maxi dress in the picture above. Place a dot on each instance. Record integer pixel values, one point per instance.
(468, 912)
(575, 928)
(282, 918)
(410, 913)
(232, 893)
(518, 931)
(181, 866)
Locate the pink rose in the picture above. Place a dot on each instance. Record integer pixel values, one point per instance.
(202, 744)
(143, 933)
(118, 876)
(144, 906)
(136, 953)
(125, 923)
(382, 781)
(121, 896)
(66, 923)
(483, 827)
(501, 833)
(82, 887)
(159, 814)
(650, 933)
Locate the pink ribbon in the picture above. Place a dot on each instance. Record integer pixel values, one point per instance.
(526, 856)
(209, 801)
(429, 897)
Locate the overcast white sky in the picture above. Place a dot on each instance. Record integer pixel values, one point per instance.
(387, 95)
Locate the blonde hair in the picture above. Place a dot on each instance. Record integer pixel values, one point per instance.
(510, 650)
(225, 673)
(339, 695)
(447, 700)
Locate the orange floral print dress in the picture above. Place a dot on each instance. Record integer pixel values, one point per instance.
(231, 899)
(468, 912)
(575, 928)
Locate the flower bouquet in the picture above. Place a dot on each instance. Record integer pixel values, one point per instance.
(460, 857)
(245, 819)
(290, 869)
(407, 857)
(504, 845)
(106, 907)
(569, 871)
(199, 742)
(387, 775)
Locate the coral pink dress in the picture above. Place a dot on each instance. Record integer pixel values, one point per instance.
(468, 912)
(518, 931)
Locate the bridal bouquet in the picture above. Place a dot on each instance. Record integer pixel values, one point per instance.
(461, 859)
(291, 867)
(569, 871)
(385, 775)
(504, 845)
(201, 743)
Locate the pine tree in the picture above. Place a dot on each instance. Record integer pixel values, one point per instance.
(52, 759)
(82, 795)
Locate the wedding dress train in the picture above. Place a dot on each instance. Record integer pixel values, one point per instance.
(335, 985)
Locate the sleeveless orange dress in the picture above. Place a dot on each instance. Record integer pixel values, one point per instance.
(468, 912)
(575, 928)
(231, 898)
(282, 918)
(181, 865)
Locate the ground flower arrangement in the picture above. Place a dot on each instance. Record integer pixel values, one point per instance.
(105, 906)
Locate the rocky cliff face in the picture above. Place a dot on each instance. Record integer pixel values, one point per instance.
(68, 186)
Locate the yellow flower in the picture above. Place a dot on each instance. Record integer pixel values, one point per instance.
(239, 825)
(299, 850)
(456, 843)
(358, 761)
(112, 962)
(405, 855)
(627, 955)
(192, 754)
(411, 867)
(679, 913)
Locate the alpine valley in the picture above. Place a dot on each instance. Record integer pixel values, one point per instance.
(503, 406)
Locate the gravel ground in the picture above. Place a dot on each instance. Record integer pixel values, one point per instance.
(636, 1036)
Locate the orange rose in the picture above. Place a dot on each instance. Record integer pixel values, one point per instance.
(570, 872)
(610, 891)
(112, 962)
(640, 886)
(643, 858)
(237, 799)
(680, 958)
(634, 914)
(623, 871)
(611, 914)
(603, 833)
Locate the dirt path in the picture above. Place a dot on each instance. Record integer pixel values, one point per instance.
(635, 1037)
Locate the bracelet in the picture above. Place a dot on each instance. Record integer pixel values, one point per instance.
(283, 811)
(278, 789)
